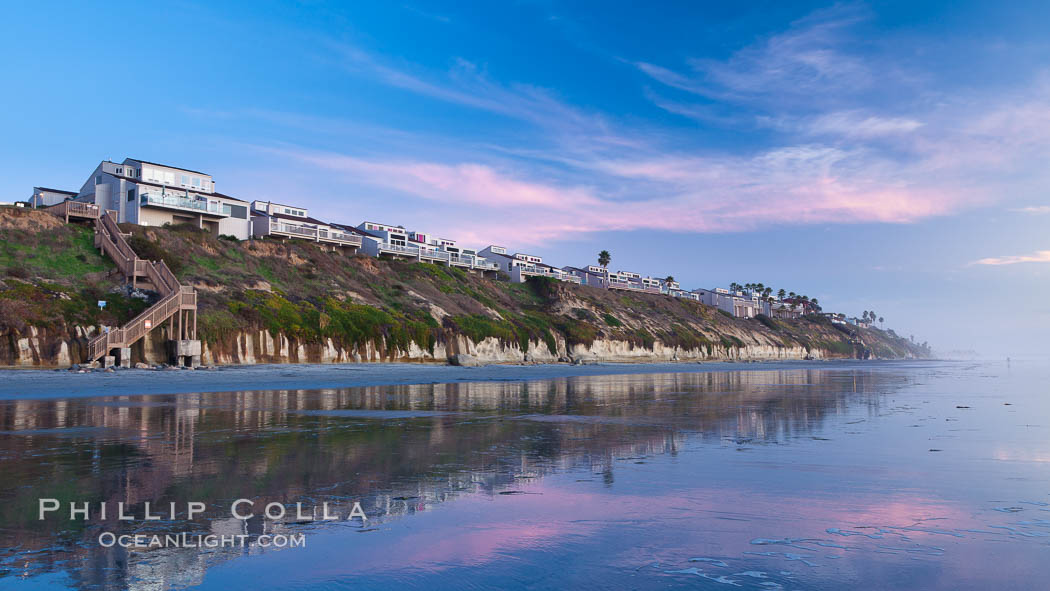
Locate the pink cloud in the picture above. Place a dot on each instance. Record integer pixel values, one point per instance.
(1040, 256)
(582, 173)
(799, 185)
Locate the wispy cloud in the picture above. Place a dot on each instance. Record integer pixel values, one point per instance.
(856, 124)
(571, 170)
(1040, 256)
(466, 85)
(686, 194)
(808, 61)
(1036, 209)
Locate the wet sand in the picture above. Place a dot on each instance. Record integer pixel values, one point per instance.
(39, 384)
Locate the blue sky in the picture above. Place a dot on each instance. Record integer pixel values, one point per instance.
(882, 156)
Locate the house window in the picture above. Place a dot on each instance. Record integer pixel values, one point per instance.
(98, 180)
(196, 181)
(185, 180)
(131, 194)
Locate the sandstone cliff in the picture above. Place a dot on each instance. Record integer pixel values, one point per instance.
(274, 302)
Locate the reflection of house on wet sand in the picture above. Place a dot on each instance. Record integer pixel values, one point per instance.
(396, 449)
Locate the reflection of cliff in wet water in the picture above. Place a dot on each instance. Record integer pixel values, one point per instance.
(396, 449)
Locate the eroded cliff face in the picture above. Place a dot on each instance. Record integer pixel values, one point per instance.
(43, 349)
(35, 347)
(261, 347)
(268, 301)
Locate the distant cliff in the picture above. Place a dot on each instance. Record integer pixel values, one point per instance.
(284, 302)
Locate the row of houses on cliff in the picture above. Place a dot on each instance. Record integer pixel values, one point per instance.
(151, 194)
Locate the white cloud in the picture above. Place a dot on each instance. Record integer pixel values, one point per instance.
(1036, 209)
(1040, 256)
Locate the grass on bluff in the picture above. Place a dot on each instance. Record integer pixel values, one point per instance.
(63, 255)
(52, 275)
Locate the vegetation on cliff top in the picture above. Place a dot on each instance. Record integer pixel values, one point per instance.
(52, 277)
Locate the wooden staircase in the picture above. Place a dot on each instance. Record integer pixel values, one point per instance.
(177, 304)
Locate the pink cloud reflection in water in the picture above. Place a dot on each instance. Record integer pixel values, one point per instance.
(733, 525)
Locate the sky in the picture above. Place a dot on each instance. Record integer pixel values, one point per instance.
(885, 156)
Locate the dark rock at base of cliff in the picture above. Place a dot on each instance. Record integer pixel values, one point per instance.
(463, 360)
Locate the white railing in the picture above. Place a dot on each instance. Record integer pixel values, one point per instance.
(337, 236)
(544, 272)
(465, 260)
(313, 232)
(182, 202)
(437, 255)
(397, 248)
(620, 284)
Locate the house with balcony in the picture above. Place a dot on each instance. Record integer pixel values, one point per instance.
(151, 194)
(521, 266)
(836, 317)
(732, 302)
(685, 295)
(384, 239)
(805, 305)
(674, 289)
(397, 242)
(286, 222)
(631, 281)
(858, 322)
(786, 311)
(465, 258)
(592, 275)
(44, 197)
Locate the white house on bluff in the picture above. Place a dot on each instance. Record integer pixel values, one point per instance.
(44, 197)
(152, 194)
(275, 220)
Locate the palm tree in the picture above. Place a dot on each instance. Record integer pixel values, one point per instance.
(766, 292)
(781, 293)
(791, 295)
(604, 258)
(880, 321)
(815, 302)
(669, 279)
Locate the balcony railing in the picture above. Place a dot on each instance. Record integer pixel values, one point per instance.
(463, 260)
(68, 209)
(337, 236)
(398, 249)
(545, 272)
(181, 202)
(621, 284)
(434, 255)
(472, 262)
(312, 232)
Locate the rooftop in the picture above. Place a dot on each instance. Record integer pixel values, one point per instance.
(55, 191)
(166, 166)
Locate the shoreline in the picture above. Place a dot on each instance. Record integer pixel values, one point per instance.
(33, 384)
